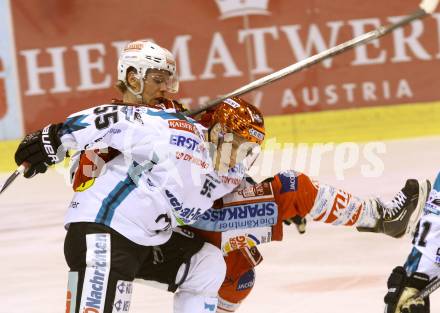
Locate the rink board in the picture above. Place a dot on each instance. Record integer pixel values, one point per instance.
(357, 125)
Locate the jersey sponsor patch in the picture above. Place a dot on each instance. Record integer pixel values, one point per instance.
(433, 203)
(183, 125)
(184, 216)
(185, 142)
(246, 281)
(289, 181)
(228, 180)
(249, 193)
(97, 273)
(237, 239)
(74, 204)
(124, 290)
(260, 214)
(188, 157)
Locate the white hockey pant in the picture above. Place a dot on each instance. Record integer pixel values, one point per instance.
(198, 293)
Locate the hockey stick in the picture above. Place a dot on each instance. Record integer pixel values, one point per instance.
(426, 7)
(20, 170)
(430, 288)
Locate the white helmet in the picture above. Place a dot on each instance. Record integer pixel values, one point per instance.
(144, 55)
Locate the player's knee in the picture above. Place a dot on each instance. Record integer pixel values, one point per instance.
(231, 294)
(206, 272)
(214, 262)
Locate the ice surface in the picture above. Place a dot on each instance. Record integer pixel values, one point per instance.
(329, 269)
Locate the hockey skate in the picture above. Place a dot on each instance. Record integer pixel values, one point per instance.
(400, 215)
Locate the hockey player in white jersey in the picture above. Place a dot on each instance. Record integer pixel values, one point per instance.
(159, 173)
(423, 262)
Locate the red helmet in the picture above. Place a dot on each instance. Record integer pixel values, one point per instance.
(237, 116)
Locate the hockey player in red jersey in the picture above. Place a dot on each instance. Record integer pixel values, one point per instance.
(254, 213)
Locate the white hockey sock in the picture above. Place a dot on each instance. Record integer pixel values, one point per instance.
(337, 207)
(369, 215)
(187, 302)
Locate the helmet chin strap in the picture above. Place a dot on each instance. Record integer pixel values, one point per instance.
(211, 137)
(137, 94)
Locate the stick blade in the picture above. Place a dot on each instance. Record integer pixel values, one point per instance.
(12, 177)
(9, 181)
(429, 6)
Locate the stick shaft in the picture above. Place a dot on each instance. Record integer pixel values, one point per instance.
(432, 286)
(20, 170)
(317, 58)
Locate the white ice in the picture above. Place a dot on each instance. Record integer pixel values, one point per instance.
(329, 269)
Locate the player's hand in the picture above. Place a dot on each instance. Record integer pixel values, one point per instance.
(415, 306)
(401, 290)
(40, 149)
(300, 223)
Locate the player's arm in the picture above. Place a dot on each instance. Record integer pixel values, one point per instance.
(294, 195)
(49, 145)
(40, 149)
(403, 285)
(405, 282)
(86, 128)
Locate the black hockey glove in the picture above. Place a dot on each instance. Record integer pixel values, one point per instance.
(40, 149)
(401, 288)
(300, 223)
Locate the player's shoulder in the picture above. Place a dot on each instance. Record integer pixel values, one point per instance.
(94, 109)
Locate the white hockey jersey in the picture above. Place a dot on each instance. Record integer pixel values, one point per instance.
(163, 176)
(425, 256)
